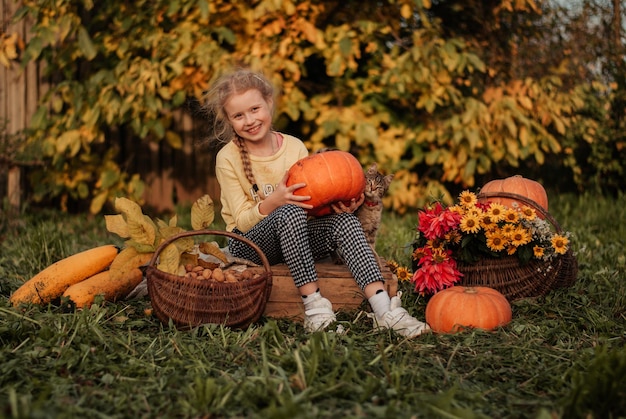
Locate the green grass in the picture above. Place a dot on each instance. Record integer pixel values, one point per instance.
(562, 355)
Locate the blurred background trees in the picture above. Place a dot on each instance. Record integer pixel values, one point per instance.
(445, 94)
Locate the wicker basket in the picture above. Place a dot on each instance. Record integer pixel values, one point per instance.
(514, 279)
(193, 302)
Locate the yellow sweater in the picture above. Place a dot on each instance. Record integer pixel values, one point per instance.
(240, 203)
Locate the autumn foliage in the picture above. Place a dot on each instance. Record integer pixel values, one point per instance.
(390, 81)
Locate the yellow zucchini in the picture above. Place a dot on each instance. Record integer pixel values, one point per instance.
(52, 282)
(84, 292)
(114, 284)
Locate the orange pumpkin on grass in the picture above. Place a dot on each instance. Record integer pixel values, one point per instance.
(330, 177)
(519, 185)
(456, 308)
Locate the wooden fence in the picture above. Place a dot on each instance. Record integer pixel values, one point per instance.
(171, 176)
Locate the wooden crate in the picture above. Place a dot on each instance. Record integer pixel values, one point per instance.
(336, 284)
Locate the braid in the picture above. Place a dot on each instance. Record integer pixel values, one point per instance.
(245, 159)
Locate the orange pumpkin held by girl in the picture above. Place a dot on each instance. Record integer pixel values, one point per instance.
(330, 177)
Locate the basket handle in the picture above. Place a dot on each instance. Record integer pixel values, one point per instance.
(528, 201)
(169, 240)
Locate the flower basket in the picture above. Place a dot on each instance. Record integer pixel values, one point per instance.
(192, 302)
(515, 279)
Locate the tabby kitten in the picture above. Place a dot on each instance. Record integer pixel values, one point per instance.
(371, 211)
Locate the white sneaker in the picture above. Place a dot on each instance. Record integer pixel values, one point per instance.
(398, 319)
(318, 314)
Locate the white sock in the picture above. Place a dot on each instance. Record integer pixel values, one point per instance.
(380, 303)
(311, 298)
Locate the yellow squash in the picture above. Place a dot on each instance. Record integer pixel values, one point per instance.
(111, 286)
(52, 282)
(114, 284)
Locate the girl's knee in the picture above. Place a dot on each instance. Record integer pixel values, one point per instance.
(346, 219)
(289, 209)
(290, 213)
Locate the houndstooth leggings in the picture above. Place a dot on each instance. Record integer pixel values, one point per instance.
(286, 235)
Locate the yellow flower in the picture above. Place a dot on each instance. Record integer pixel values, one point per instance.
(520, 236)
(403, 274)
(559, 243)
(496, 241)
(392, 265)
(487, 223)
(440, 255)
(538, 252)
(474, 211)
(511, 216)
(496, 212)
(453, 236)
(511, 250)
(467, 199)
(457, 208)
(417, 254)
(508, 229)
(528, 213)
(435, 244)
(470, 223)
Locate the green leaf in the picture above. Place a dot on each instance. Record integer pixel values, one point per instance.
(83, 190)
(335, 66)
(85, 44)
(39, 118)
(33, 50)
(345, 46)
(91, 116)
(227, 35)
(98, 202)
(366, 133)
(69, 140)
(203, 5)
(108, 178)
(470, 169)
(179, 98)
(20, 14)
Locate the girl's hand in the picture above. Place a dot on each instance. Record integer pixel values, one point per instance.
(340, 207)
(284, 194)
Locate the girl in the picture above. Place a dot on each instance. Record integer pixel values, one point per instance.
(251, 169)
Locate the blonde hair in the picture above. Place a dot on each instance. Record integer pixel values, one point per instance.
(220, 129)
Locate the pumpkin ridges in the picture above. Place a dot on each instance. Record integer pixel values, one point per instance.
(458, 307)
(486, 307)
(352, 185)
(330, 177)
(520, 185)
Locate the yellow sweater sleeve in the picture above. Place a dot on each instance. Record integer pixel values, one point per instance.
(240, 203)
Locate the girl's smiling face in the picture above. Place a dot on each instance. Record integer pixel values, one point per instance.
(250, 115)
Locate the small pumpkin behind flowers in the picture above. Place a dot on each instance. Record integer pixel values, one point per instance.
(457, 308)
(519, 185)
